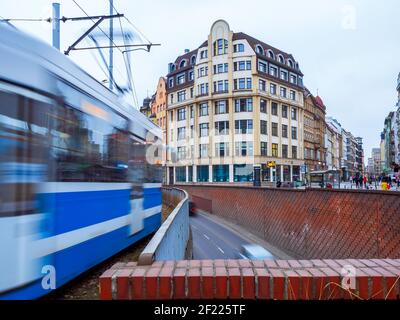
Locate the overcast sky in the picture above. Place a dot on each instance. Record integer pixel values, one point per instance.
(348, 50)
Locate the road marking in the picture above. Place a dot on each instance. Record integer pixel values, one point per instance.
(194, 227)
(221, 250)
(205, 236)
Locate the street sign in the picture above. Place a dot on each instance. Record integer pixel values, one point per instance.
(271, 164)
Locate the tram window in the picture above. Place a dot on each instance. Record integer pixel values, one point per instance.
(24, 142)
(87, 148)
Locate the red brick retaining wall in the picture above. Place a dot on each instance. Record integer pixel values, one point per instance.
(268, 279)
(311, 223)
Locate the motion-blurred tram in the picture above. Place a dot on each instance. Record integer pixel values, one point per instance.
(79, 180)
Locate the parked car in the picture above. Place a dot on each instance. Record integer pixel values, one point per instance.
(254, 252)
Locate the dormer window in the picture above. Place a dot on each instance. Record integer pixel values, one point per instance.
(259, 49)
(271, 54)
(182, 64)
(203, 54)
(193, 60)
(280, 59)
(290, 63)
(220, 47)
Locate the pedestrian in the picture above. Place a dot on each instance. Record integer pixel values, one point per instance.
(365, 182)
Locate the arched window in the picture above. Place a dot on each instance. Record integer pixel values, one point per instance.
(290, 63)
(271, 54)
(297, 66)
(259, 49)
(280, 59)
(182, 64)
(220, 47)
(173, 67)
(193, 60)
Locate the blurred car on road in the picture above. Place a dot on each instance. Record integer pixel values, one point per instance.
(254, 252)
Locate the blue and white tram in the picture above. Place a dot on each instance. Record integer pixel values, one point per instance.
(77, 184)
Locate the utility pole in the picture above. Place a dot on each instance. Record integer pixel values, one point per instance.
(110, 66)
(56, 25)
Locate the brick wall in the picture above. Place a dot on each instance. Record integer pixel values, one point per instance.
(268, 279)
(311, 223)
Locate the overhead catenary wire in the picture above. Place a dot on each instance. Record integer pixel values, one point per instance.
(105, 33)
(127, 62)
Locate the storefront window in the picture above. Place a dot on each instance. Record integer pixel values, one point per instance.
(286, 173)
(180, 173)
(221, 173)
(243, 172)
(202, 173)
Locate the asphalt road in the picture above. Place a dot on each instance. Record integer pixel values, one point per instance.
(212, 240)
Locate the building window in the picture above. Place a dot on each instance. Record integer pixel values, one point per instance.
(273, 71)
(238, 47)
(221, 128)
(192, 131)
(222, 149)
(244, 105)
(280, 58)
(191, 92)
(181, 133)
(181, 153)
(294, 133)
(202, 173)
(284, 111)
(284, 131)
(221, 107)
(242, 84)
(203, 109)
(180, 173)
(272, 88)
(243, 126)
(263, 127)
(171, 98)
(242, 65)
(202, 72)
(243, 148)
(203, 88)
(294, 114)
(262, 66)
(274, 129)
(181, 114)
(293, 79)
(203, 129)
(283, 92)
(264, 148)
(242, 172)
(221, 86)
(220, 68)
(275, 150)
(284, 151)
(294, 152)
(203, 150)
(284, 75)
(274, 108)
(170, 82)
(221, 173)
(193, 59)
(263, 106)
(191, 112)
(293, 95)
(271, 54)
(191, 75)
(180, 78)
(181, 95)
(220, 47)
(203, 54)
(262, 85)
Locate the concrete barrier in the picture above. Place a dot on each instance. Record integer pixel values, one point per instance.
(170, 241)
